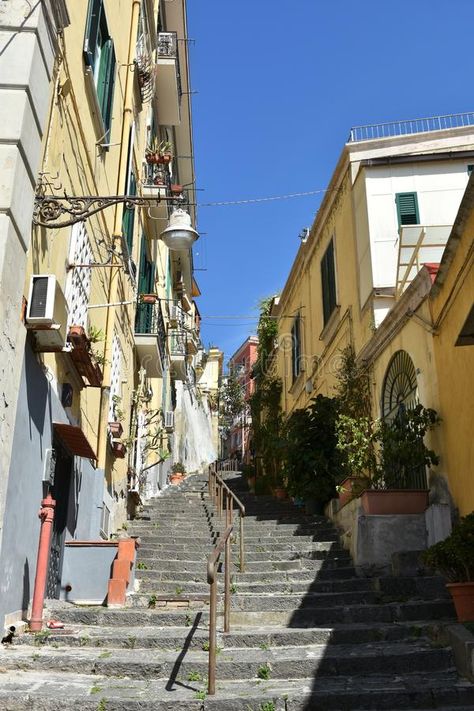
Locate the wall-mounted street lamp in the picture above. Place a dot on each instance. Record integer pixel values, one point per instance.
(179, 235)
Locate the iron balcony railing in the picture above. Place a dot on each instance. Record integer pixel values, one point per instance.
(177, 343)
(158, 175)
(168, 49)
(405, 128)
(149, 321)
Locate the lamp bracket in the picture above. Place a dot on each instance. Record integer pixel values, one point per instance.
(56, 211)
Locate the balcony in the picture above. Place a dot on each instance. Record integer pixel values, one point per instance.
(177, 348)
(168, 79)
(150, 338)
(156, 183)
(419, 245)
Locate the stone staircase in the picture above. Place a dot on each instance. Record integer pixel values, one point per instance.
(306, 632)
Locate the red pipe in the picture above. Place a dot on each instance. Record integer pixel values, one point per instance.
(46, 514)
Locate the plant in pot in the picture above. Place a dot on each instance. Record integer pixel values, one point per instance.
(115, 426)
(148, 298)
(355, 429)
(454, 558)
(178, 472)
(311, 458)
(399, 485)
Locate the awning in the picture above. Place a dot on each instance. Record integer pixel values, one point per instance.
(74, 440)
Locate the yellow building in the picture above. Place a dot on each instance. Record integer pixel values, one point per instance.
(108, 394)
(359, 276)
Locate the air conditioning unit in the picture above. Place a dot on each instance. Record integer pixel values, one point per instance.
(174, 316)
(47, 312)
(169, 421)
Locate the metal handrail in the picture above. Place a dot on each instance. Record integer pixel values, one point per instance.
(212, 561)
(220, 494)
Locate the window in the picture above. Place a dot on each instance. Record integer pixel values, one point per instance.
(328, 282)
(115, 376)
(407, 209)
(296, 347)
(78, 285)
(99, 55)
(128, 219)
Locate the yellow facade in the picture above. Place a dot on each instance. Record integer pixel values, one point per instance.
(451, 302)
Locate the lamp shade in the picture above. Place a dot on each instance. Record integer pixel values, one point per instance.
(179, 235)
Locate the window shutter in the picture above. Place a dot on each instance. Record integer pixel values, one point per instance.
(92, 30)
(407, 209)
(105, 83)
(328, 282)
(129, 214)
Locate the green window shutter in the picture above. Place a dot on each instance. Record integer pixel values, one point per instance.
(106, 82)
(92, 30)
(407, 209)
(328, 282)
(146, 285)
(128, 220)
(296, 347)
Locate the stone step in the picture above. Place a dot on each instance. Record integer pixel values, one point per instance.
(235, 664)
(326, 570)
(317, 552)
(34, 691)
(348, 614)
(170, 637)
(132, 617)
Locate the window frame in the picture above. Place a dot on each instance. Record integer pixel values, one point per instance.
(328, 282)
(416, 206)
(296, 348)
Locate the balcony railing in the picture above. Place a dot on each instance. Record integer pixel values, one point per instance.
(168, 49)
(419, 245)
(177, 343)
(405, 128)
(149, 321)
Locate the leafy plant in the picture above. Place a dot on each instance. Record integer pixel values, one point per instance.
(454, 557)
(268, 706)
(96, 689)
(200, 695)
(178, 590)
(312, 461)
(403, 453)
(264, 671)
(194, 676)
(205, 646)
(119, 414)
(152, 601)
(95, 335)
(178, 468)
(141, 565)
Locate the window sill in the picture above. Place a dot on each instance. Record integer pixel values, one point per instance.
(330, 328)
(99, 127)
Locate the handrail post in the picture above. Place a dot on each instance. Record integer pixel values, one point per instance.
(242, 550)
(211, 689)
(227, 586)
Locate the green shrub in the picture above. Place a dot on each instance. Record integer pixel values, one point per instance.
(454, 557)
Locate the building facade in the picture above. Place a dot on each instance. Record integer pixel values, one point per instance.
(363, 275)
(107, 346)
(241, 366)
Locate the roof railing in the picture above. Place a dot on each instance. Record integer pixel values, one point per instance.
(375, 131)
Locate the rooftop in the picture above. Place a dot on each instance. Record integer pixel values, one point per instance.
(408, 127)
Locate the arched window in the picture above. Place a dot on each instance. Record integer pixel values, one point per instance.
(399, 386)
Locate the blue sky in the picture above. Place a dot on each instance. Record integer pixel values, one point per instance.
(279, 86)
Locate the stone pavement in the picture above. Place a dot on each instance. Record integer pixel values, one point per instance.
(306, 632)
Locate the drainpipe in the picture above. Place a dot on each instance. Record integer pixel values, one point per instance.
(127, 116)
(46, 514)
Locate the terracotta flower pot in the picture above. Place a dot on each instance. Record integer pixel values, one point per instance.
(119, 449)
(394, 501)
(78, 337)
(176, 189)
(463, 599)
(115, 429)
(280, 492)
(176, 478)
(152, 158)
(349, 484)
(148, 298)
(164, 158)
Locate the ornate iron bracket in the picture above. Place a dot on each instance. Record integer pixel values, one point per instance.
(61, 211)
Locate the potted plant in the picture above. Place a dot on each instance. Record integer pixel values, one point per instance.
(178, 472)
(454, 558)
(402, 462)
(311, 458)
(115, 426)
(119, 449)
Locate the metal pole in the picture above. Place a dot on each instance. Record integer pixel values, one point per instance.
(227, 586)
(211, 688)
(46, 514)
(242, 559)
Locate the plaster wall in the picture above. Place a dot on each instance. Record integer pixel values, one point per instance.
(439, 188)
(26, 64)
(455, 370)
(38, 408)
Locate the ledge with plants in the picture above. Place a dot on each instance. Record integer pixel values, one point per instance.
(87, 361)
